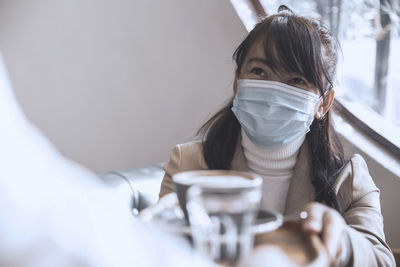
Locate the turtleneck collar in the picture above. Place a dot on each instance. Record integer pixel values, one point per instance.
(274, 163)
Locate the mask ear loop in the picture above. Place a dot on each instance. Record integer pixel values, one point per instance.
(321, 98)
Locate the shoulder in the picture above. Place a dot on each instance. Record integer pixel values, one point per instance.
(360, 175)
(354, 181)
(190, 148)
(358, 163)
(187, 156)
(189, 153)
(183, 157)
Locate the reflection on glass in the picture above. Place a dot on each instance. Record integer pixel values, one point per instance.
(221, 219)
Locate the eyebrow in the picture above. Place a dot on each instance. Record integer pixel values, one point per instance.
(261, 60)
(268, 63)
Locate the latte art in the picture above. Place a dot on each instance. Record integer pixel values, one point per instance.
(215, 181)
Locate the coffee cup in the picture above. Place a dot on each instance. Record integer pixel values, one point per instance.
(234, 180)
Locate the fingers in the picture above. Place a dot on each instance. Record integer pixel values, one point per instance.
(328, 223)
(332, 232)
(313, 222)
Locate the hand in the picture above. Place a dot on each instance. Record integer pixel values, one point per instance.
(329, 224)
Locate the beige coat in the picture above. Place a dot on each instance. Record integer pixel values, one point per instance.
(357, 194)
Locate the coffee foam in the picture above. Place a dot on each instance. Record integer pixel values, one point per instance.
(214, 180)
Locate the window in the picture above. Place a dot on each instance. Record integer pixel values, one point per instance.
(368, 84)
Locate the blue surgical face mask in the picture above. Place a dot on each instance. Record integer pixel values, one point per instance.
(272, 113)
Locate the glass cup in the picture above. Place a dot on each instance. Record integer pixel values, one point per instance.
(221, 216)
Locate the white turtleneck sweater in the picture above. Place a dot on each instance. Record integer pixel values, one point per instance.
(275, 166)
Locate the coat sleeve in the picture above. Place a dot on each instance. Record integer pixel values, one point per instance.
(364, 220)
(171, 167)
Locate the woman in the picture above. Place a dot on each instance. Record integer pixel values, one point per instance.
(279, 125)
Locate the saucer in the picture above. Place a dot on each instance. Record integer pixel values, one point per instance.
(172, 220)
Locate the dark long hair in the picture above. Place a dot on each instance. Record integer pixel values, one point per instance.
(293, 44)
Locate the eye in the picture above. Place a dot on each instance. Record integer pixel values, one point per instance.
(258, 71)
(298, 81)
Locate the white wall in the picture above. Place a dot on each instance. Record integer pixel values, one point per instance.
(116, 84)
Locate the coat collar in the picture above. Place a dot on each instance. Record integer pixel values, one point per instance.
(301, 191)
(239, 162)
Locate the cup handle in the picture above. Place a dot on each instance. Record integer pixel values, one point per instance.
(224, 235)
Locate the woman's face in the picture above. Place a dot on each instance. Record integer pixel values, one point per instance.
(255, 66)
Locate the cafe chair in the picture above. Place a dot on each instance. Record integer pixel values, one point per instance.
(136, 188)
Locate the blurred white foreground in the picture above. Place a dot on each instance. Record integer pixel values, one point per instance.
(56, 213)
